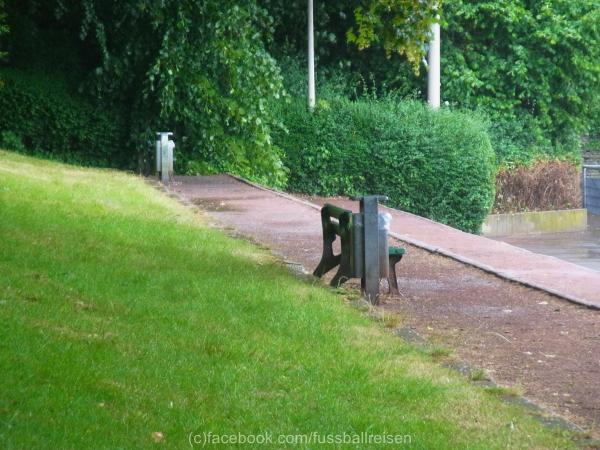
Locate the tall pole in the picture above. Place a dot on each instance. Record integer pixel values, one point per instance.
(311, 58)
(433, 63)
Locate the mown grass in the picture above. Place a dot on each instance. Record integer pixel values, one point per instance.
(123, 315)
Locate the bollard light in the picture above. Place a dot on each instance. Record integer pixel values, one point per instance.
(164, 156)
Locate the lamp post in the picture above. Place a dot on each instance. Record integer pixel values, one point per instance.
(433, 67)
(311, 58)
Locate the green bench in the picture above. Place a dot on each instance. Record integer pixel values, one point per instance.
(395, 254)
(352, 263)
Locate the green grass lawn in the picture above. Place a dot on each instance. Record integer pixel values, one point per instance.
(124, 315)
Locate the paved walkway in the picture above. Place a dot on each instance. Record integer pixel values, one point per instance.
(555, 276)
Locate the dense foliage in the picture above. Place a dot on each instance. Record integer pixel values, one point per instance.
(439, 165)
(3, 28)
(3, 31)
(39, 114)
(200, 70)
(533, 65)
(398, 26)
(361, 63)
(211, 72)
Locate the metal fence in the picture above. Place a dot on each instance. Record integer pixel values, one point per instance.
(591, 188)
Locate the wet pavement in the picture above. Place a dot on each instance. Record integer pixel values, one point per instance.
(581, 247)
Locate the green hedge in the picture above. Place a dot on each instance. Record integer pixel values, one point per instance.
(49, 119)
(435, 164)
(519, 141)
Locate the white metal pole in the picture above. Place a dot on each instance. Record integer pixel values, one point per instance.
(311, 58)
(433, 63)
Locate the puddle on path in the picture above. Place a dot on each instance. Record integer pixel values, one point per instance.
(581, 247)
(213, 205)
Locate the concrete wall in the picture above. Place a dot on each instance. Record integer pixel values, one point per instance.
(535, 222)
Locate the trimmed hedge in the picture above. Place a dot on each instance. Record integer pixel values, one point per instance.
(48, 119)
(438, 165)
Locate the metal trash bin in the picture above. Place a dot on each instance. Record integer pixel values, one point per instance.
(385, 219)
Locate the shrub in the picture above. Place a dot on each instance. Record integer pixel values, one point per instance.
(518, 140)
(436, 164)
(525, 60)
(544, 185)
(49, 119)
(12, 141)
